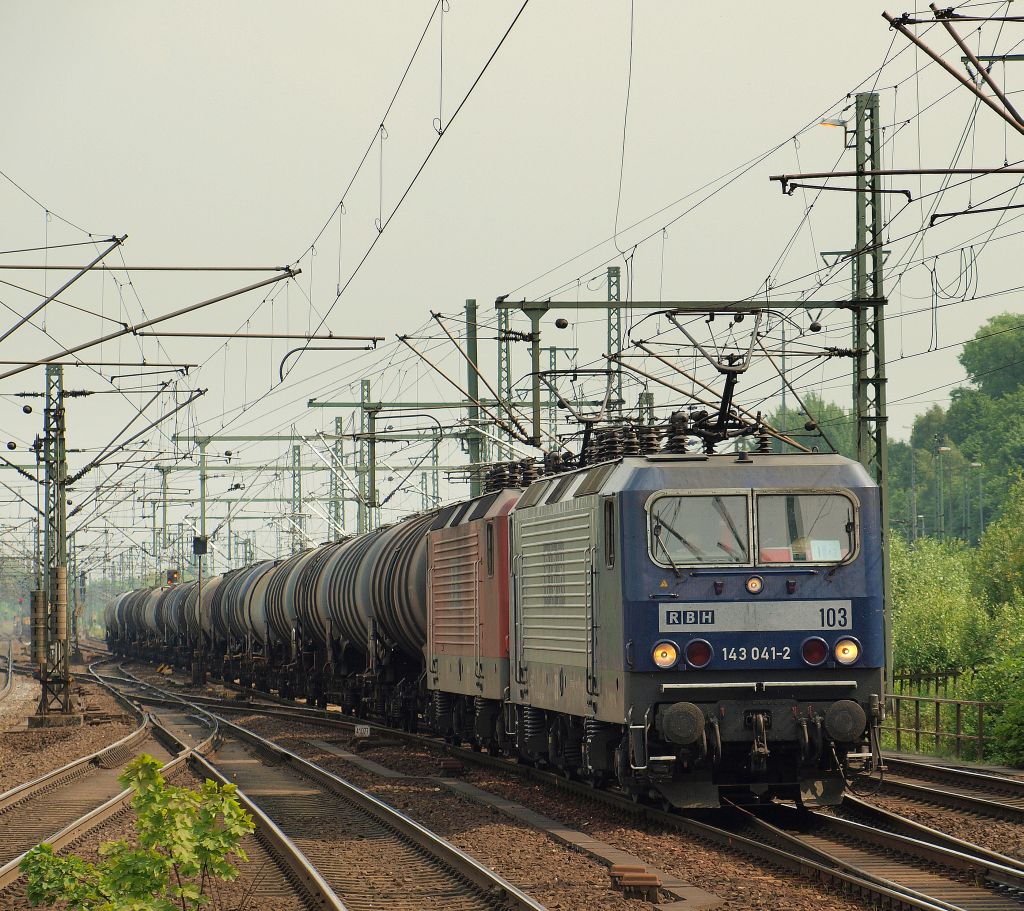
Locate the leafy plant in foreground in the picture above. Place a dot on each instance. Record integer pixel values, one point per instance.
(184, 841)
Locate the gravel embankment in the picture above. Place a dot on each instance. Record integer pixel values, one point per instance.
(548, 871)
(532, 860)
(259, 875)
(26, 754)
(744, 884)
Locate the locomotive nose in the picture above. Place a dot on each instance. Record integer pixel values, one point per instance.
(845, 721)
(681, 722)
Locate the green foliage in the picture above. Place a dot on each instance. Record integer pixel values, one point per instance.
(835, 425)
(994, 358)
(938, 621)
(1001, 553)
(184, 839)
(983, 424)
(1001, 680)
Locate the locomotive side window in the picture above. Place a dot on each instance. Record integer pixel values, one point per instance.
(805, 528)
(712, 529)
(490, 548)
(609, 532)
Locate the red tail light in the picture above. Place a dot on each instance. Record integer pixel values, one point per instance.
(814, 651)
(698, 653)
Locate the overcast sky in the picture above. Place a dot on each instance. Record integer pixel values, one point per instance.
(224, 134)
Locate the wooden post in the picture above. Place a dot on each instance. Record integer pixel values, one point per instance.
(959, 726)
(981, 730)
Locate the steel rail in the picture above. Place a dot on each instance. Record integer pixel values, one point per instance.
(957, 856)
(797, 857)
(823, 869)
(982, 781)
(493, 888)
(74, 769)
(957, 800)
(796, 843)
(96, 815)
(10, 872)
(886, 819)
(307, 877)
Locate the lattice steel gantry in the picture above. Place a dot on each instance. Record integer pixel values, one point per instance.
(869, 323)
(55, 672)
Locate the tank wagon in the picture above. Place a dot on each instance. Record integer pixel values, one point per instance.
(686, 626)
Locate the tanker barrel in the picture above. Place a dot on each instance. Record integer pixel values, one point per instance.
(300, 593)
(394, 576)
(338, 595)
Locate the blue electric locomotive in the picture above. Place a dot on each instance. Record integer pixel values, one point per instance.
(698, 626)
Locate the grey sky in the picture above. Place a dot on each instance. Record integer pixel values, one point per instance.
(223, 133)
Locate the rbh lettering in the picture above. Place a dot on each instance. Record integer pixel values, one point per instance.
(689, 618)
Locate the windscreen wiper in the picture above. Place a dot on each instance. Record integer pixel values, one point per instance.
(720, 507)
(672, 563)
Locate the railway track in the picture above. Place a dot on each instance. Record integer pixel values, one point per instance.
(370, 854)
(37, 809)
(960, 789)
(883, 857)
(285, 873)
(952, 877)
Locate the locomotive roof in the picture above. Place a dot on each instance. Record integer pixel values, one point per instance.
(696, 471)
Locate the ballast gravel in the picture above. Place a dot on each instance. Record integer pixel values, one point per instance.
(997, 835)
(553, 874)
(25, 753)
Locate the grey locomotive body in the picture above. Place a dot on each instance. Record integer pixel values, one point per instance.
(691, 624)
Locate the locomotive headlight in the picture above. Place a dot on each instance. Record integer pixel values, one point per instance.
(847, 651)
(665, 654)
(755, 584)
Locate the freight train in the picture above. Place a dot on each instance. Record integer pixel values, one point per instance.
(687, 627)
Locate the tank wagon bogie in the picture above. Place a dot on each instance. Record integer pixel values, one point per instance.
(688, 626)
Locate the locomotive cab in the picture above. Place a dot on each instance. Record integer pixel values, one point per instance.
(757, 659)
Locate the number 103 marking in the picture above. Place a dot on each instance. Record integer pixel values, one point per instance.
(832, 617)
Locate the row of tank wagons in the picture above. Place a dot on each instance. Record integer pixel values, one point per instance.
(325, 621)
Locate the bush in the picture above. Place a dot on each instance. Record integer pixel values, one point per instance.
(1000, 575)
(938, 619)
(184, 839)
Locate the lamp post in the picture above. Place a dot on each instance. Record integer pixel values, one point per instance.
(942, 504)
(981, 502)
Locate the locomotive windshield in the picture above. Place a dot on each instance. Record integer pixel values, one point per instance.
(700, 529)
(804, 528)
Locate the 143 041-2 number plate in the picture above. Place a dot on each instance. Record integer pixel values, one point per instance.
(755, 616)
(756, 653)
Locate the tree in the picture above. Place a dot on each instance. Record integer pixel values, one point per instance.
(994, 358)
(929, 430)
(184, 839)
(833, 422)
